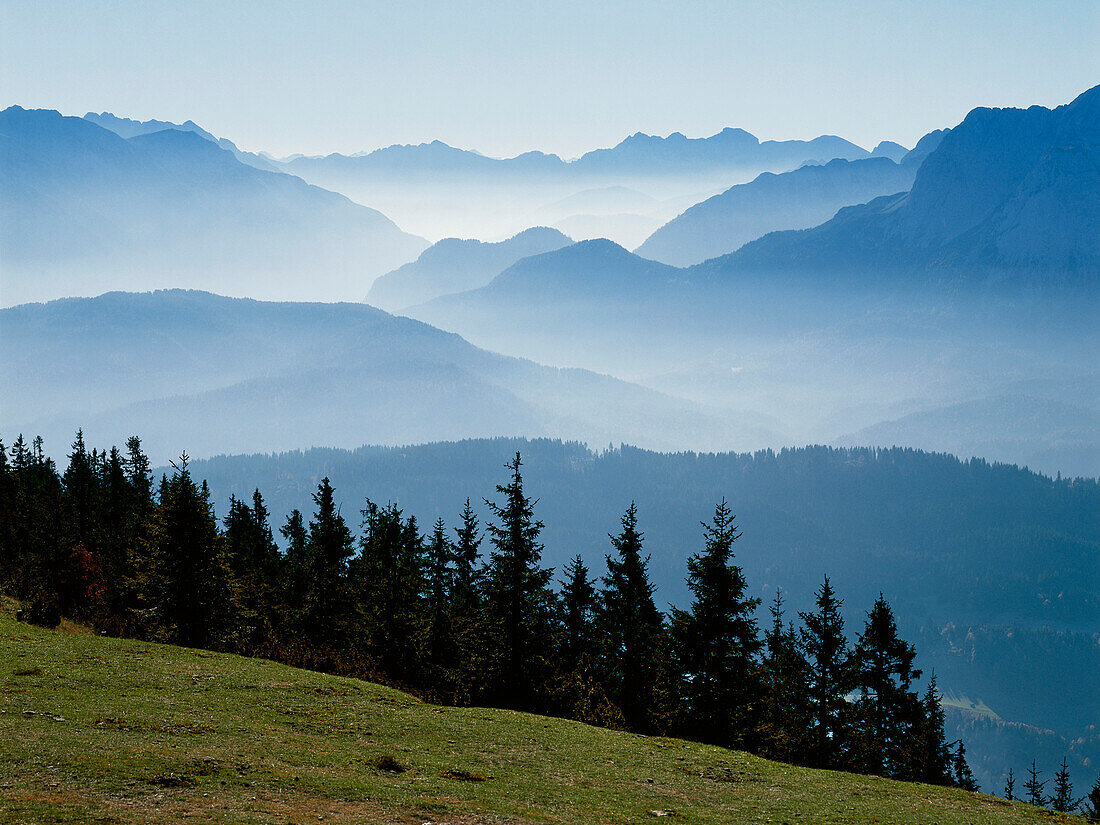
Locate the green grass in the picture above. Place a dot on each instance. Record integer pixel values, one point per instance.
(110, 730)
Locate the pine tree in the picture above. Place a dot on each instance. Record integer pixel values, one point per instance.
(786, 714)
(826, 650)
(631, 630)
(582, 694)
(294, 573)
(388, 584)
(932, 758)
(1090, 807)
(888, 710)
(193, 594)
(328, 547)
(466, 623)
(440, 594)
(77, 566)
(578, 601)
(1062, 800)
(716, 642)
(518, 606)
(1035, 789)
(467, 551)
(1010, 786)
(254, 559)
(961, 773)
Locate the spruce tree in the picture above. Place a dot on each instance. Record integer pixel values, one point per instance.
(960, 770)
(328, 547)
(440, 594)
(932, 758)
(888, 710)
(1034, 788)
(578, 601)
(467, 551)
(784, 732)
(716, 642)
(466, 624)
(1090, 805)
(254, 559)
(294, 573)
(1010, 786)
(631, 630)
(1062, 800)
(582, 695)
(193, 593)
(77, 566)
(388, 583)
(518, 605)
(826, 650)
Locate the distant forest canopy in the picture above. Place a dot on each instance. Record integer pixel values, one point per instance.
(946, 538)
(470, 614)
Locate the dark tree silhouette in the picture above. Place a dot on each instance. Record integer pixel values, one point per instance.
(716, 642)
(518, 605)
(631, 629)
(826, 650)
(887, 711)
(1034, 788)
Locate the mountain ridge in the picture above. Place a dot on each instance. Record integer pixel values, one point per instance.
(84, 210)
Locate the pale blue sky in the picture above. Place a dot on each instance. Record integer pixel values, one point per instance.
(561, 75)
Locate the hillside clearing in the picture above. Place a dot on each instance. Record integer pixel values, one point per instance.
(115, 730)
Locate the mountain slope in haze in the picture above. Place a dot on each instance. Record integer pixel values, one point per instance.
(642, 154)
(798, 199)
(1049, 436)
(83, 210)
(588, 270)
(889, 149)
(638, 155)
(454, 265)
(440, 191)
(207, 374)
(127, 128)
(1007, 191)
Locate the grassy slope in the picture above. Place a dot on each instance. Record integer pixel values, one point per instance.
(86, 734)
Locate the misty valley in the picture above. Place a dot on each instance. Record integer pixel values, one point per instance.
(784, 448)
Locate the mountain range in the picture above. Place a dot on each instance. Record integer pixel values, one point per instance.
(1007, 192)
(639, 155)
(909, 304)
(128, 127)
(84, 210)
(440, 191)
(798, 199)
(454, 265)
(207, 374)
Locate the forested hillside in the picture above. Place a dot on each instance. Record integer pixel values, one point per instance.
(986, 564)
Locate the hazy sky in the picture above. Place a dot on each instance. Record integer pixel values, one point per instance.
(561, 75)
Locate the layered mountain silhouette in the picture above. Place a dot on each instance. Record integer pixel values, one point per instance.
(889, 149)
(1007, 193)
(128, 127)
(798, 199)
(639, 155)
(83, 210)
(454, 265)
(642, 154)
(909, 303)
(1044, 434)
(440, 191)
(207, 374)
